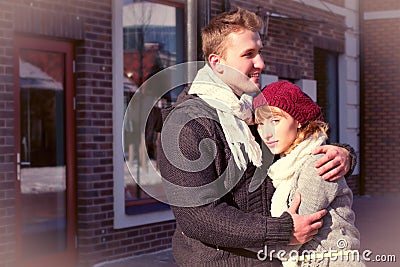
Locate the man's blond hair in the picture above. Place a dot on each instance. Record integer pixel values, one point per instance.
(215, 34)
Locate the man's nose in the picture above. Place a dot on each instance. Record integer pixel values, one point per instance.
(259, 62)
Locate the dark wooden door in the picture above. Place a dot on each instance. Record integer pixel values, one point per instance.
(45, 152)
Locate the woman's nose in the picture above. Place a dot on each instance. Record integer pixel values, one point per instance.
(266, 131)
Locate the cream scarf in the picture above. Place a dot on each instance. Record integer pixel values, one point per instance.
(283, 175)
(283, 171)
(232, 114)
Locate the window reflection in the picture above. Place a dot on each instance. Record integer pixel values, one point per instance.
(42, 161)
(152, 41)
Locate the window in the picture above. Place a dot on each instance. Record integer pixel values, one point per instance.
(152, 41)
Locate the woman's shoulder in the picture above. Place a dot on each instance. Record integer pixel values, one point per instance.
(308, 171)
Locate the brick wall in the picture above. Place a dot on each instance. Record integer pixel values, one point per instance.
(7, 172)
(105, 243)
(94, 134)
(88, 24)
(380, 5)
(290, 43)
(381, 93)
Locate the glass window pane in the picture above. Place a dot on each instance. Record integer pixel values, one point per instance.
(42, 159)
(152, 41)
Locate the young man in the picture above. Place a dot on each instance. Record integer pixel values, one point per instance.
(208, 158)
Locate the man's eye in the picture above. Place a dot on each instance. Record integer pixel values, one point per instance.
(249, 54)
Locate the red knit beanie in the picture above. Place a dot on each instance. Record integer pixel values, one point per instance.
(289, 97)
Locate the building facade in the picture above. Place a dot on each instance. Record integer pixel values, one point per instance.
(380, 96)
(71, 164)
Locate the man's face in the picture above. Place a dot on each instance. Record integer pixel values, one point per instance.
(242, 63)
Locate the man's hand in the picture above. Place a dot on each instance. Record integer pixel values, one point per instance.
(334, 164)
(305, 227)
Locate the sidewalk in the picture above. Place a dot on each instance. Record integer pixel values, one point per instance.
(163, 258)
(377, 218)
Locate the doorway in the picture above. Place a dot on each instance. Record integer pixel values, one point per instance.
(45, 152)
(326, 75)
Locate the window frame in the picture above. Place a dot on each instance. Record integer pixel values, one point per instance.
(121, 219)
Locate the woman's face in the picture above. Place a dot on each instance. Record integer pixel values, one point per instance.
(278, 130)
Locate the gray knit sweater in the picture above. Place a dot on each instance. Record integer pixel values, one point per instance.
(216, 233)
(338, 231)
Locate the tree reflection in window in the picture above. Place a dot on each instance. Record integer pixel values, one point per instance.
(152, 40)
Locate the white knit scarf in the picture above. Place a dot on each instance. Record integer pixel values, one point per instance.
(282, 172)
(232, 114)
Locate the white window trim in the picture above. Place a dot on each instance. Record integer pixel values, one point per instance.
(387, 14)
(266, 79)
(122, 220)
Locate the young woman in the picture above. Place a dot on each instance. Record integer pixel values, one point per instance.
(291, 126)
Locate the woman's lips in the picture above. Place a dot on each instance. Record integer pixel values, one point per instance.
(272, 143)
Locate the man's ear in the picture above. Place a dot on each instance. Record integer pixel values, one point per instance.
(215, 63)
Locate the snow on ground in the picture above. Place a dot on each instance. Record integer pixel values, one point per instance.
(42, 179)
